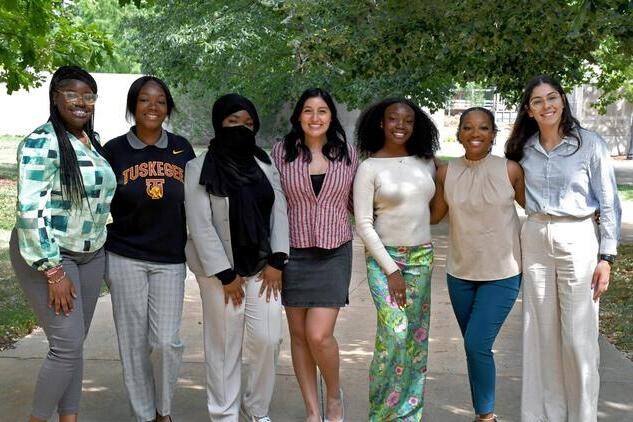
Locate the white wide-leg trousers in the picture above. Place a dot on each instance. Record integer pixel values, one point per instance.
(254, 328)
(560, 321)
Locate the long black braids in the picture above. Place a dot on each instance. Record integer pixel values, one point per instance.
(73, 189)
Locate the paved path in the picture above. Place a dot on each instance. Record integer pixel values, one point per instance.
(447, 396)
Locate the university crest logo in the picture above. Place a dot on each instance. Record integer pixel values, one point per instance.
(154, 188)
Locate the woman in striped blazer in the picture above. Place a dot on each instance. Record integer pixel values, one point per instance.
(317, 169)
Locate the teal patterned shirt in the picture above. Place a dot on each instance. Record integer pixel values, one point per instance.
(46, 222)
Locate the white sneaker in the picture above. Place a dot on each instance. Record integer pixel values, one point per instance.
(251, 418)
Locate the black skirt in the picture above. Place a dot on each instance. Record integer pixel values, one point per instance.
(317, 278)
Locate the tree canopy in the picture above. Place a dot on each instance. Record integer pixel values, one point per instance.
(111, 18)
(366, 49)
(41, 35)
(360, 50)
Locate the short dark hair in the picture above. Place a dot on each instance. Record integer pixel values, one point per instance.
(370, 137)
(335, 148)
(525, 126)
(135, 90)
(484, 110)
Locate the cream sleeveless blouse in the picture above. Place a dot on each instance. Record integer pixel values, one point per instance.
(483, 222)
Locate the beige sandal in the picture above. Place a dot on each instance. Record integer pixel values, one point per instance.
(492, 418)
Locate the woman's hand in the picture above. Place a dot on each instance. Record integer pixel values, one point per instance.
(271, 281)
(61, 295)
(234, 291)
(397, 288)
(600, 280)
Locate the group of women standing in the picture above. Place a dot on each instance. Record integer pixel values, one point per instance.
(259, 231)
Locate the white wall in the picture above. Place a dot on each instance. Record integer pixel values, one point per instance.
(23, 111)
(615, 126)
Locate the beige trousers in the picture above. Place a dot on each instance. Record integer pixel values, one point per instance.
(560, 321)
(254, 328)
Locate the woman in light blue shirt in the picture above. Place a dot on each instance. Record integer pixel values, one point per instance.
(566, 257)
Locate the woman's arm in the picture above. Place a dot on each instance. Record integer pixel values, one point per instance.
(438, 205)
(279, 239)
(364, 213)
(354, 167)
(205, 238)
(515, 174)
(199, 216)
(603, 186)
(38, 165)
(279, 234)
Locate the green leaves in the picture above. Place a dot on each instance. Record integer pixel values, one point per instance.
(40, 35)
(363, 50)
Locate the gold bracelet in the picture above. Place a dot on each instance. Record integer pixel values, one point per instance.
(58, 279)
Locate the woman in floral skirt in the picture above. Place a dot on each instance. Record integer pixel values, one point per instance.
(392, 191)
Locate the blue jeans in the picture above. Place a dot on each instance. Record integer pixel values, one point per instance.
(481, 307)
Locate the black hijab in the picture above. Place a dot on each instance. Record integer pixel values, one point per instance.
(230, 170)
(230, 162)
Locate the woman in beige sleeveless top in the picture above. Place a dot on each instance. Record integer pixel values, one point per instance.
(478, 192)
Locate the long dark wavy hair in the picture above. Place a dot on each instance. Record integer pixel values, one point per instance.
(335, 148)
(73, 189)
(525, 126)
(370, 137)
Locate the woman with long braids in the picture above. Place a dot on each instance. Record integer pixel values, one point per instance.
(566, 258)
(146, 249)
(238, 246)
(65, 186)
(392, 191)
(317, 169)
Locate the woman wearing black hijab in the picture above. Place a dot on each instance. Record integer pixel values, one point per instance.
(237, 248)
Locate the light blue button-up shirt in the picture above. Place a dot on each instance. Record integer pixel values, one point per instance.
(566, 182)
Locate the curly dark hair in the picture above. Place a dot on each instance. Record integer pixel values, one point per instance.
(370, 137)
(335, 148)
(525, 126)
(135, 90)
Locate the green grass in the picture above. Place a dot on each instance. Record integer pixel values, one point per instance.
(7, 205)
(8, 149)
(16, 317)
(616, 305)
(625, 192)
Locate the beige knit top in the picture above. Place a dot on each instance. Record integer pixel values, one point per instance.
(391, 204)
(483, 222)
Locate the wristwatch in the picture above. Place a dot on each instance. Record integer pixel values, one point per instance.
(609, 258)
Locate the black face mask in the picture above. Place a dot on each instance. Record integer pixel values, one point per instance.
(234, 142)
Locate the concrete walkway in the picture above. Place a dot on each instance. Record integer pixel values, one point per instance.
(447, 394)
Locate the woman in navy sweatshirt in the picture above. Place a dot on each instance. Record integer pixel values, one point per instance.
(145, 249)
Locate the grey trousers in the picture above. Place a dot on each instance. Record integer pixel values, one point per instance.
(147, 300)
(58, 383)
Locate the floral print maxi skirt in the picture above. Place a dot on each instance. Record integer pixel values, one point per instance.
(398, 369)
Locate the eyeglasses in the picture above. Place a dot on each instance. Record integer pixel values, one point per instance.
(538, 103)
(73, 98)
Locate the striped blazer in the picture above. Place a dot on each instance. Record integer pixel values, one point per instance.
(317, 221)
